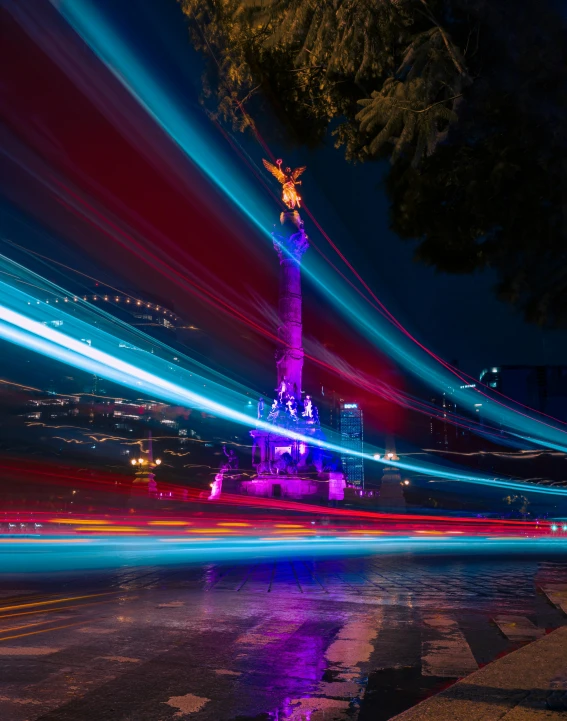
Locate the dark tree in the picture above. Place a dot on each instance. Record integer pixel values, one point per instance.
(466, 98)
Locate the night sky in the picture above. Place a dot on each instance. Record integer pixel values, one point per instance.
(456, 316)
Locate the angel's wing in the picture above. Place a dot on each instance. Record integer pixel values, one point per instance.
(297, 172)
(274, 170)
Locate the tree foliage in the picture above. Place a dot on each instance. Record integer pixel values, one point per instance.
(466, 98)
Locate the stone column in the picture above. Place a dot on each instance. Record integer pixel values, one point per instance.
(290, 243)
(144, 477)
(391, 490)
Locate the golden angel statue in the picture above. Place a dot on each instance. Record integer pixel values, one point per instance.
(288, 179)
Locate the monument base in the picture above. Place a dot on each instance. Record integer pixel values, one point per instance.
(280, 486)
(329, 486)
(143, 489)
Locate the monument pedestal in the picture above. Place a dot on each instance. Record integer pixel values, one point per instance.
(288, 468)
(278, 452)
(391, 491)
(281, 486)
(323, 487)
(143, 492)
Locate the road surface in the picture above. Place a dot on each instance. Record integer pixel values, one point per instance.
(300, 639)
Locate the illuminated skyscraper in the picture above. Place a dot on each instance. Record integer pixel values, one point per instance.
(351, 429)
(443, 432)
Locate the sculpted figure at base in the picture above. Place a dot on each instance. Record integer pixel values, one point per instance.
(282, 390)
(264, 467)
(232, 462)
(216, 486)
(291, 407)
(274, 410)
(284, 464)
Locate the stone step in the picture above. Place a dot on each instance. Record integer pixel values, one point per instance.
(518, 628)
(557, 594)
(445, 651)
(525, 685)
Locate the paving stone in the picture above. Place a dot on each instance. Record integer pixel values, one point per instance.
(327, 637)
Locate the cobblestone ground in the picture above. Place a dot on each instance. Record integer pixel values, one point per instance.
(321, 640)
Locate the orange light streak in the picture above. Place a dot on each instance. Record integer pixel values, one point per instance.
(26, 625)
(56, 610)
(79, 521)
(45, 630)
(209, 530)
(112, 529)
(56, 600)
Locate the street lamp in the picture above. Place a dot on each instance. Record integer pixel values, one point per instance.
(143, 462)
(144, 473)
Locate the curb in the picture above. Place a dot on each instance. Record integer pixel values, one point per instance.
(526, 685)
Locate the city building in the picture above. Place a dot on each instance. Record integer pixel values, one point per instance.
(543, 388)
(352, 438)
(63, 407)
(105, 432)
(145, 312)
(446, 435)
(443, 433)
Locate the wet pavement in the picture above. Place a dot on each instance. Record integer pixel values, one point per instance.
(301, 640)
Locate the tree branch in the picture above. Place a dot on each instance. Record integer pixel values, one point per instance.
(241, 102)
(424, 110)
(450, 50)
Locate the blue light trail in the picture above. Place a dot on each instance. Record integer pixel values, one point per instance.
(47, 554)
(151, 92)
(93, 346)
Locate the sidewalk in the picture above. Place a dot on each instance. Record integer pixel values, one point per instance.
(527, 685)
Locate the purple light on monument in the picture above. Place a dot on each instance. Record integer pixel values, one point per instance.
(290, 243)
(288, 466)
